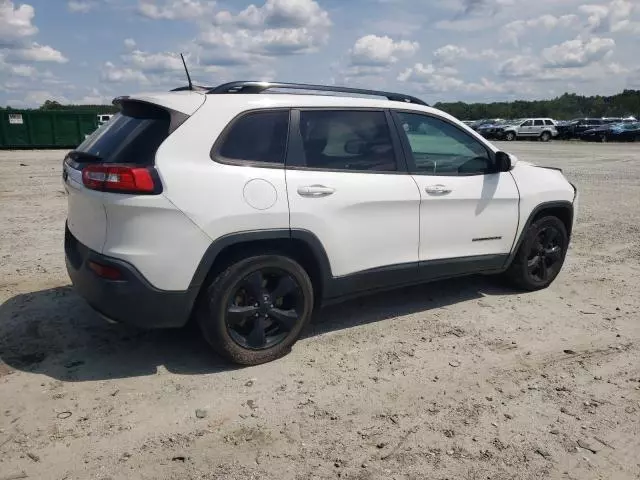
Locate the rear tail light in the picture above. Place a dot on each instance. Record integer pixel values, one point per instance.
(121, 179)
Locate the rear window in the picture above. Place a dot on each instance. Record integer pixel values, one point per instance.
(548, 122)
(131, 136)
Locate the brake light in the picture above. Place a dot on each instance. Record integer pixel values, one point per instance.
(119, 178)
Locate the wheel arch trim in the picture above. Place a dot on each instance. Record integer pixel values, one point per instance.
(217, 246)
(534, 213)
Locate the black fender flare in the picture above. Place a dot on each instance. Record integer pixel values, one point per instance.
(218, 245)
(534, 213)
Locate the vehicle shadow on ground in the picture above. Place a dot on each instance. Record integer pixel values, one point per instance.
(54, 332)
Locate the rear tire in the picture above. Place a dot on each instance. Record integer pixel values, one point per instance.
(540, 256)
(545, 137)
(254, 311)
(510, 136)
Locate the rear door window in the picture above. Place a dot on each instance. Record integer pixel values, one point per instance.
(347, 140)
(132, 136)
(538, 123)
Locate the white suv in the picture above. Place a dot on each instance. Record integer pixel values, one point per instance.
(244, 208)
(541, 128)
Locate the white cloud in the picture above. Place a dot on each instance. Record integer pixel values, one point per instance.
(483, 6)
(38, 97)
(577, 52)
(112, 74)
(15, 22)
(514, 30)
(129, 43)
(94, 97)
(519, 66)
(432, 79)
(153, 62)
(80, 6)
(277, 14)
(37, 53)
(16, 69)
(614, 17)
(450, 54)
(278, 28)
(372, 50)
(175, 9)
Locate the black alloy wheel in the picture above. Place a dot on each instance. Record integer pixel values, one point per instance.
(264, 308)
(545, 256)
(540, 255)
(255, 310)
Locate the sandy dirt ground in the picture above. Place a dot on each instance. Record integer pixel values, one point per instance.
(453, 380)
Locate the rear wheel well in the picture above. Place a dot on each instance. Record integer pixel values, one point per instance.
(293, 248)
(564, 214)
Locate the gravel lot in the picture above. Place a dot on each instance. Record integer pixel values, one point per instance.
(454, 380)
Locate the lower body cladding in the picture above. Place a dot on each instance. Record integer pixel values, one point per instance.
(120, 293)
(117, 291)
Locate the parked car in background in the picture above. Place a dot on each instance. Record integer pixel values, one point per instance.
(617, 132)
(485, 122)
(542, 128)
(492, 129)
(575, 128)
(104, 118)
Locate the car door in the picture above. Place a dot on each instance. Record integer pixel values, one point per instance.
(526, 129)
(469, 210)
(348, 185)
(538, 127)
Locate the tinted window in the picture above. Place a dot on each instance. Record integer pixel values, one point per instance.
(538, 123)
(132, 136)
(528, 123)
(440, 148)
(257, 137)
(548, 122)
(347, 140)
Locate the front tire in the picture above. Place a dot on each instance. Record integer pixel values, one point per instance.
(510, 136)
(541, 254)
(254, 311)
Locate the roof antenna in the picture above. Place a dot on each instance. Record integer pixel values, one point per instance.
(187, 72)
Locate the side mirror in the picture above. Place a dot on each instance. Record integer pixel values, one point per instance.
(503, 162)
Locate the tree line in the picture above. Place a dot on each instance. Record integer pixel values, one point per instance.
(565, 107)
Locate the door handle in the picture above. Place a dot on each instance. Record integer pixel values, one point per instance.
(315, 191)
(437, 189)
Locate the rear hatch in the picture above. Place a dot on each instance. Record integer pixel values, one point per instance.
(118, 158)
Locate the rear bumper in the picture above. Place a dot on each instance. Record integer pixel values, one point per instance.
(131, 300)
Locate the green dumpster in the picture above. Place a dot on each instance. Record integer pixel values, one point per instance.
(45, 129)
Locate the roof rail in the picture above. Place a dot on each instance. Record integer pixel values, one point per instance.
(197, 88)
(259, 87)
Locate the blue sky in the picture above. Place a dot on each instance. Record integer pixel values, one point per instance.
(89, 51)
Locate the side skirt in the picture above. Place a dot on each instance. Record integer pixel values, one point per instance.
(358, 284)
